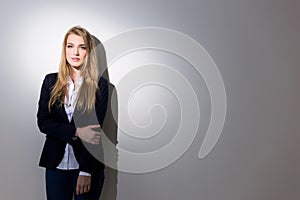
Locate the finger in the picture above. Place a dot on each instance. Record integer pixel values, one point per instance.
(94, 142)
(97, 133)
(97, 137)
(86, 188)
(95, 126)
(81, 191)
(77, 189)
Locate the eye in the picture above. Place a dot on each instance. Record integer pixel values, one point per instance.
(69, 46)
(83, 47)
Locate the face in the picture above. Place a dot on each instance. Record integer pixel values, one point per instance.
(75, 50)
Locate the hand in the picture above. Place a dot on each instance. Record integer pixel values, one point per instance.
(83, 184)
(89, 135)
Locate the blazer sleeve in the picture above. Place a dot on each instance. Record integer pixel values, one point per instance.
(46, 123)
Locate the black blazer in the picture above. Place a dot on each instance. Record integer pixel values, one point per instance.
(59, 131)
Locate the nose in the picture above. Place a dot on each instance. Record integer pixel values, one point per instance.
(76, 51)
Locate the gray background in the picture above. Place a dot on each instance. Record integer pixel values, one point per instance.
(254, 43)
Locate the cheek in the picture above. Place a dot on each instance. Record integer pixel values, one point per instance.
(83, 54)
(68, 53)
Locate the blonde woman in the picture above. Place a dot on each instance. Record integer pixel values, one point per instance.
(67, 100)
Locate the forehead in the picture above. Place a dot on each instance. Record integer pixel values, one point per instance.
(75, 39)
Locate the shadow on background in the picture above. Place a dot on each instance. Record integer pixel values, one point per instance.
(110, 128)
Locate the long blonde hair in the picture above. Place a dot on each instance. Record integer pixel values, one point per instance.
(89, 72)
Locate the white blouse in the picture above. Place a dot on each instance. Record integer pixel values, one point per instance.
(69, 160)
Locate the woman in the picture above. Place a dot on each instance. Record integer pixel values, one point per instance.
(67, 102)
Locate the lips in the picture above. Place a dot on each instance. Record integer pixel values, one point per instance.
(75, 59)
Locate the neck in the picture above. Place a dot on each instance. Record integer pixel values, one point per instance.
(75, 74)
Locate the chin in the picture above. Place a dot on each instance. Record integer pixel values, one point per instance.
(76, 64)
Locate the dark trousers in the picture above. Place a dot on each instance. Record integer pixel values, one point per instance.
(61, 185)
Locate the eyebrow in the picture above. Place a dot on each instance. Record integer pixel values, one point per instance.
(78, 45)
